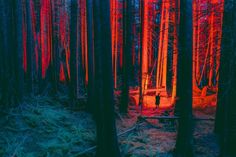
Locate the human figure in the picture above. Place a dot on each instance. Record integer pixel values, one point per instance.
(158, 100)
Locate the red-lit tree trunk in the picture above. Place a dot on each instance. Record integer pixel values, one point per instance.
(184, 81)
(175, 49)
(212, 45)
(195, 45)
(83, 39)
(113, 10)
(81, 70)
(141, 7)
(64, 42)
(127, 49)
(144, 42)
(161, 76)
(46, 36)
(106, 129)
(219, 38)
(198, 30)
(226, 109)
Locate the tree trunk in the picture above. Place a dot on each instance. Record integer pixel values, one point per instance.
(127, 49)
(19, 71)
(11, 48)
(225, 125)
(4, 51)
(30, 49)
(54, 49)
(144, 42)
(175, 51)
(161, 75)
(91, 72)
(184, 81)
(106, 129)
(141, 5)
(1, 52)
(73, 48)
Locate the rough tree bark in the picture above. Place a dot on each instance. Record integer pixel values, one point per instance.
(225, 125)
(4, 68)
(90, 46)
(30, 49)
(73, 48)
(1, 52)
(54, 68)
(105, 119)
(184, 81)
(127, 49)
(141, 53)
(18, 63)
(9, 53)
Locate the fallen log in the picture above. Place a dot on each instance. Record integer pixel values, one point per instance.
(174, 118)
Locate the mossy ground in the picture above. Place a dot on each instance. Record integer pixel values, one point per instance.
(44, 127)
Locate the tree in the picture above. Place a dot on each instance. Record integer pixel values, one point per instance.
(184, 81)
(4, 5)
(19, 71)
(73, 48)
(91, 58)
(105, 119)
(30, 48)
(1, 52)
(162, 64)
(127, 49)
(175, 49)
(11, 50)
(141, 53)
(225, 125)
(54, 68)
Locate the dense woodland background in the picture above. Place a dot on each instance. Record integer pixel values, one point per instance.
(104, 55)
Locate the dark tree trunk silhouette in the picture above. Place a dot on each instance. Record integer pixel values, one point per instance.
(91, 72)
(127, 49)
(19, 71)
(184, 81)
(225, 125)
(1, 52)
(105, 119)
(81, 74)
(73, 48)
(11, 52)
(30, 49)
(54, 68)
(4, 5)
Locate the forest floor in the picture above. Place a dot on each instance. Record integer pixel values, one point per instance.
(42, 127)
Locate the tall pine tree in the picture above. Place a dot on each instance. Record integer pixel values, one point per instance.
(225, 125)
(104, 98)
(184, 81)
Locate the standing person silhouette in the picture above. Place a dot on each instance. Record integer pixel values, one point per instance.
(158, 100)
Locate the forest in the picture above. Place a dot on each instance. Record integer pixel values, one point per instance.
(117, 78)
